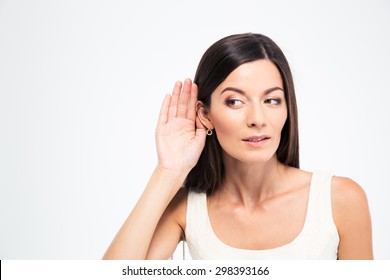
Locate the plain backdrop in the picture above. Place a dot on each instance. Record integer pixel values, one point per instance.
(81, 83)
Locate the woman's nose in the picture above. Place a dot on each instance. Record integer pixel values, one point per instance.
(255, 116)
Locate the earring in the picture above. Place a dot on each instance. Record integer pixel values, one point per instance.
(209, 132)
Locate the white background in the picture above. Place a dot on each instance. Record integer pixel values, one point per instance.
(81, 83)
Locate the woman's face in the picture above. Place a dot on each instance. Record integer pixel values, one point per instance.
(248, 111)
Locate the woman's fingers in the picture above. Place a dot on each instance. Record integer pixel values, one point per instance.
(174, 100)
(182, 105)
(163, 117)
(183, 100)
(191, 112)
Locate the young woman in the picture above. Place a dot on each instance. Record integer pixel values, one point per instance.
(228, 180)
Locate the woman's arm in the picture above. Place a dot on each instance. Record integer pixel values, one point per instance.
(168, 234)
(133, 239)
(352, 217)
(180, 139)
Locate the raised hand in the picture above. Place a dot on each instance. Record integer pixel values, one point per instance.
(180, 137)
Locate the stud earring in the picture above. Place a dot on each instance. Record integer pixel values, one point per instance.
(209, 132)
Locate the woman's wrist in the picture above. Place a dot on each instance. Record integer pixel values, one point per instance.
(172, 172)
(174, 178)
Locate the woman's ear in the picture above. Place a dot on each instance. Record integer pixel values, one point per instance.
(203, 116)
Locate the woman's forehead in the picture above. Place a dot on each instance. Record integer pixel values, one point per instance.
(259, 74)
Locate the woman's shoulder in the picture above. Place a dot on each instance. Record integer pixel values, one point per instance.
(344, 189)
(351, 215)
(346, 192)
(349, 203)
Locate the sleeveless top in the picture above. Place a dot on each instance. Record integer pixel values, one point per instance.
(318, 238)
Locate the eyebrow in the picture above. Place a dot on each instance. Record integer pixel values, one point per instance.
(240, 91)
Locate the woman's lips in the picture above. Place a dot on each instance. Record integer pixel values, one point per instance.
(256, 141)
(256, 138)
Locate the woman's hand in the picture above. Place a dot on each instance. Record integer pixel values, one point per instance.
(180, 137)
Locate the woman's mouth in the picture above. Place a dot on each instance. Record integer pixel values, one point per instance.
(256, 138)
(256, 141)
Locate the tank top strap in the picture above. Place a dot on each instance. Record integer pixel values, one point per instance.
(196, 221)
(319, 208)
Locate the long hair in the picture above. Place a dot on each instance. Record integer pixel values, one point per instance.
(216, 64)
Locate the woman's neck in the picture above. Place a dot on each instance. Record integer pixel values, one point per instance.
(250, 184)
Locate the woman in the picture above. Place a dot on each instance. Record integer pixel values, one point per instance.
(234, 148)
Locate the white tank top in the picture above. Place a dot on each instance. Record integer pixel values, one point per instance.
(318, 238)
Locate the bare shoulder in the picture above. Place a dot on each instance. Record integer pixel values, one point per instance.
(347, 194)
(352, 218)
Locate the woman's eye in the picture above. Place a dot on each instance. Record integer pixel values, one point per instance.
(234, 102)
(273, 101)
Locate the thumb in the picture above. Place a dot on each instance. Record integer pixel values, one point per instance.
(200, 128)
(199, 124)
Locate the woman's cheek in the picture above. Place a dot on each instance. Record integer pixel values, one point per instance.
(227, 124)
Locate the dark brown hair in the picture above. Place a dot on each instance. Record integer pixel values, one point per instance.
(215, 65)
